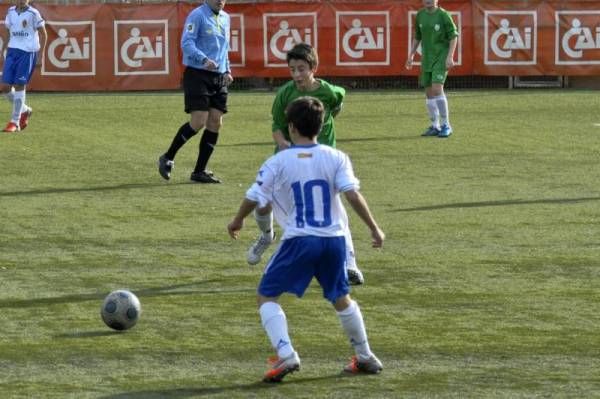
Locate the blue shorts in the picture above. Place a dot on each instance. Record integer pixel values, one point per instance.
(299, 259)
(18, 66)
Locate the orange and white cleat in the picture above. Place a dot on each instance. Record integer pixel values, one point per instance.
(371, 365)
(24, 118)
(11, 127)
(279, 368)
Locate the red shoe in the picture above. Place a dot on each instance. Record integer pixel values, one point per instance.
(11, 127)
(24, 118)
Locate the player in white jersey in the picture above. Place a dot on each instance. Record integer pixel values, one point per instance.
(24, 27)
(304, 182)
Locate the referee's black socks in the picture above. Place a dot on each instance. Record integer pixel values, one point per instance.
(207, 146)
(184, 133)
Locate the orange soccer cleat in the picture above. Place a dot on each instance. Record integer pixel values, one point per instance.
(11, 127)
(370, 366)
(281, 367)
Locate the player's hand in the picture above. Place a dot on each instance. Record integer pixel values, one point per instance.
(450, 63)
(378, 237)
(234, 228)
(210, 65)
(409, 63)
(228, 79)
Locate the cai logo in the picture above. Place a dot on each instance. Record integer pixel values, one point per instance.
(237, 43)
(510, 37)
(141, 47)
(71, 48)
(282, 31)
(456, 17)
(363, 38)
(577, 39)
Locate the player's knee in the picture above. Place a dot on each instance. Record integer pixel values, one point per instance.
(342, 303)
(264, 210)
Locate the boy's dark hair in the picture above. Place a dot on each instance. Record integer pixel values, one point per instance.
(304, 52)
(306, 115)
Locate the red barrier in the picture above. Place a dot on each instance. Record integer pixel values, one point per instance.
(136, 47)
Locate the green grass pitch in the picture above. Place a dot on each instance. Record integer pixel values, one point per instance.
(488, 285)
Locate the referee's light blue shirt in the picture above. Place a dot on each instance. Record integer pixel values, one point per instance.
(206, 35)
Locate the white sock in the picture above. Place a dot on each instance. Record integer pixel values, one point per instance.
(433, 112)
(275, 324)
(350, 258)
(442, 106)
(18, 101)
(354, 327)
(265, 223)
(10, 96)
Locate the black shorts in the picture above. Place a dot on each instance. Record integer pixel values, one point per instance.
(203, 90)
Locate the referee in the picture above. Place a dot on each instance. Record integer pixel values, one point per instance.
(205, 46)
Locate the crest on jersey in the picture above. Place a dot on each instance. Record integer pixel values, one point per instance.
(24, 24)
(190, 28)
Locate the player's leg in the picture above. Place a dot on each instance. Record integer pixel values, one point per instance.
(18, 101)
(430, 104)
(330, 274)
(17, 72)
(291, 269)
(264, 221)
(355, 276)
(274, 322)
(208, 141)
(353, 325)
(438, 79)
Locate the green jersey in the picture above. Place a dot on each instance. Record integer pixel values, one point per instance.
(434, 30)
(330, 95)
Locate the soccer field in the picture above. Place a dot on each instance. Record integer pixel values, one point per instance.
(487, 286)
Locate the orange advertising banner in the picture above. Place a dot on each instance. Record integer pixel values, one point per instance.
(137, 47)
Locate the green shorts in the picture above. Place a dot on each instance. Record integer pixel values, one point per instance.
(435, 76)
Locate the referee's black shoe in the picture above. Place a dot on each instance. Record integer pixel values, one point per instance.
(204, 177)
(165, 166)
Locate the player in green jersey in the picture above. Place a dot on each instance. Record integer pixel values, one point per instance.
(437, 34)
(303, 61)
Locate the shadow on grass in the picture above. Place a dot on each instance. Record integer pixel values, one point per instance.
(88, 334)
(129, 186)
(250, 388)
(358, 139)
(498, 203)
(144, 292)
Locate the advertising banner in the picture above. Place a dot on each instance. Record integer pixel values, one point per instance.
(137, 47)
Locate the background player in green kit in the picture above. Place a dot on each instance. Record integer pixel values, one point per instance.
(303, 61)
(437, 34)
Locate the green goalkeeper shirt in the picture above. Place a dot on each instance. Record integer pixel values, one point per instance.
(330, 95)
(434, 30)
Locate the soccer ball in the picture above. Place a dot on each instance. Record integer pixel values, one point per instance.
(121, 310)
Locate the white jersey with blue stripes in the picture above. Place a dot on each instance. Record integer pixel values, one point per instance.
(303, 184)
(23, 27)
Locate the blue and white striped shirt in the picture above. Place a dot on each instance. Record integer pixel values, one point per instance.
(206, 35)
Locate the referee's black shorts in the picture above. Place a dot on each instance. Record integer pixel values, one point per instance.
(203, 90)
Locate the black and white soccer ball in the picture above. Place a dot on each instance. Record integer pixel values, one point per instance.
(121, 310)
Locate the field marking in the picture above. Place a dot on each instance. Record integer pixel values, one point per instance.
(597, 124)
